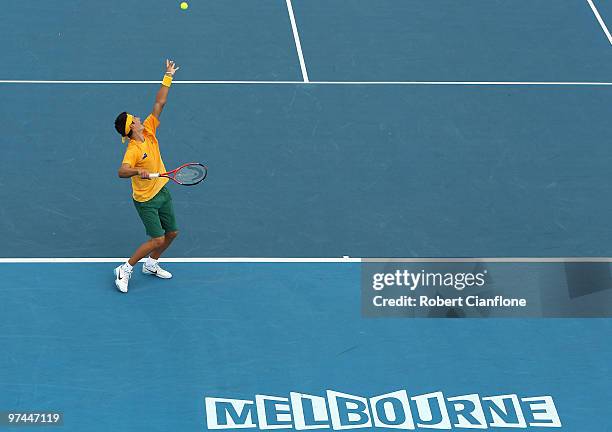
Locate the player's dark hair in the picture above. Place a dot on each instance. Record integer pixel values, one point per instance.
(120, 124)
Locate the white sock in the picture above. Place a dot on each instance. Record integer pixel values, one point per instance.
(150, 262)
(127, 267)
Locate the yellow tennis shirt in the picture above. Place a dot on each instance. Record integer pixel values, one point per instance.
(146, 155)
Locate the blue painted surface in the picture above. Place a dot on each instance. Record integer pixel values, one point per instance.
(447, 40)
(604, 7)
(318, 171)
(296, 171)
(145, 360)
(315, 170)
(129, 40)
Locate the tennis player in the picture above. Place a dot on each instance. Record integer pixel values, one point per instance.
(151, 198)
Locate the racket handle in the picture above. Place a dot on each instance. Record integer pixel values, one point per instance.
(153, 175)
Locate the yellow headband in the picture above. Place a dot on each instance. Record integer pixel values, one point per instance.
(128, 125)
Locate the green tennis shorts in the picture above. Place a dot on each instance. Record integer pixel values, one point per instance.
(157, 214)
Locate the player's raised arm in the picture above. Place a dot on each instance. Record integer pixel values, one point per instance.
(162, 94)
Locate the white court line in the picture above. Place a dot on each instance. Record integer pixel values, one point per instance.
(296, 37)
(600, 19)
(179, 260)
(314, 260)
(408, 83)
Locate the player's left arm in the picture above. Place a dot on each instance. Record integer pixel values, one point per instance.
(162, 94)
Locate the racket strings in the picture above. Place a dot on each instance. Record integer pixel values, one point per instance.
(190, 174)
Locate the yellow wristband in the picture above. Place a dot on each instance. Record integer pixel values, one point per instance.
(167, 81)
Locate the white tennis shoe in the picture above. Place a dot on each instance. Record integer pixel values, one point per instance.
(156, 270)
(122, 278)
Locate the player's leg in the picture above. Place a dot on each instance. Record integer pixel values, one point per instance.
(123, 273)
(151, 266)
(168, 223)
(168, 238)
(148, 212)
(146, 248)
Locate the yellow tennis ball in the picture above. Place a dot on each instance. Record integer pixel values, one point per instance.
(184, 5)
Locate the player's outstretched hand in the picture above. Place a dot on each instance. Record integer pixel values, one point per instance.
(171, 67)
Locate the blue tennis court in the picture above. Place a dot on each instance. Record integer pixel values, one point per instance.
(352, 128)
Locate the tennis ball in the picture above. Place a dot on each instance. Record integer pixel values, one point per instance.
(184, 5)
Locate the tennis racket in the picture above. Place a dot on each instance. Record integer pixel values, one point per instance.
(188, 174)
